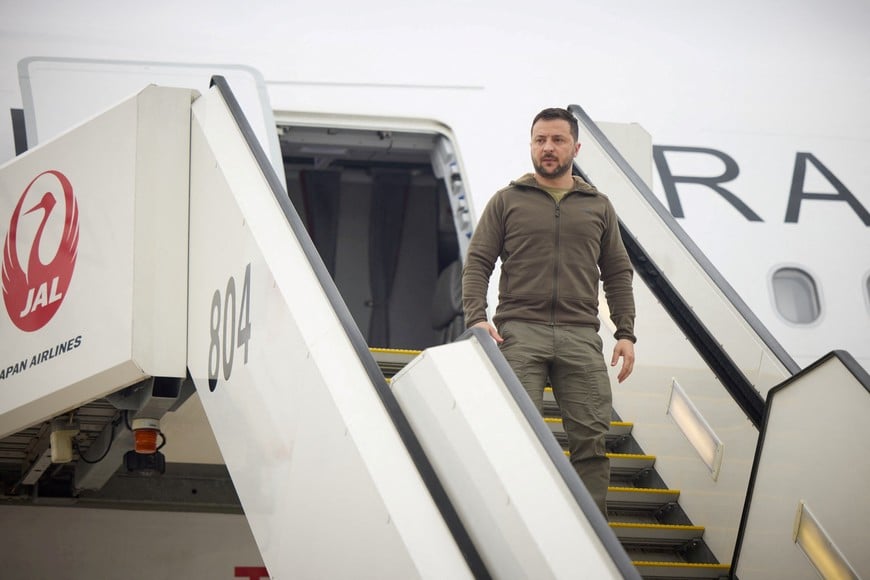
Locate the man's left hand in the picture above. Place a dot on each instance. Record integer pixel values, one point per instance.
(624, 349)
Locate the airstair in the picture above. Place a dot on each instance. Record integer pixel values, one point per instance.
(643, 512)
(444, 471)
(323, 459)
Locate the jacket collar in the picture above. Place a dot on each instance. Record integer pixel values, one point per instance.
(528, 180)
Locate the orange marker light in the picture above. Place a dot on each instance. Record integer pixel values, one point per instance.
(145, 433)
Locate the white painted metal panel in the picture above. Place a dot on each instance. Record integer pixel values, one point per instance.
(507, 490)
(109, 197)
(326, 483)
(160, 229)
(813, 450)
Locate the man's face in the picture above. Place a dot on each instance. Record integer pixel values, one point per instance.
(553, 148)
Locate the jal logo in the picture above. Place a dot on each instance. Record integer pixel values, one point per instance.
(44, 237)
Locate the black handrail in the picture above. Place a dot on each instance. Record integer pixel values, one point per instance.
(415, 449)
(732, 378)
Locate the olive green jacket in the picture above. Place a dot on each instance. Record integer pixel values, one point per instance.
(551, 255)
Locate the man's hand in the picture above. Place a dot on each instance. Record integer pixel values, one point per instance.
(625, 349)
(490, 329)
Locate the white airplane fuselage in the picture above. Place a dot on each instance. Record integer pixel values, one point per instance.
(759, 139)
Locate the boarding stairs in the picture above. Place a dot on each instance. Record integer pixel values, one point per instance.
(250, 315)
(233, 299)
(643, 512)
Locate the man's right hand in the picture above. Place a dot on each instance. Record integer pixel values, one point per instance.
(490, 329)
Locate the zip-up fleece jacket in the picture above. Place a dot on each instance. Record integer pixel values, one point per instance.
(553, 256)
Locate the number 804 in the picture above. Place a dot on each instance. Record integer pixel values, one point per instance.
(227, 333)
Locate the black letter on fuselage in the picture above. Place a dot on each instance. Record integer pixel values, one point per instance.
(669, 180)
(797, 190)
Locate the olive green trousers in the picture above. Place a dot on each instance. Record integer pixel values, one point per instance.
(571, 358)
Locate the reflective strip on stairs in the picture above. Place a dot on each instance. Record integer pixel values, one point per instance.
(681, 570)
(617, 428)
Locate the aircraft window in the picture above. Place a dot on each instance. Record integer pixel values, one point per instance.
(796, 295)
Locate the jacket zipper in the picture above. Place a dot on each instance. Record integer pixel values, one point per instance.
(555, 267)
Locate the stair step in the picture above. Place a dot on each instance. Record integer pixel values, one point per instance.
(640, 498)
(670, 570)
(392, 360)
(617, 428)
(656, 534)
(627, 463)
(630, 463)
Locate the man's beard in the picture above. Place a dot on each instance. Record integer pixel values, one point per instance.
(559, 170)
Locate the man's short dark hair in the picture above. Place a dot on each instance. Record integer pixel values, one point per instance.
(554, 113)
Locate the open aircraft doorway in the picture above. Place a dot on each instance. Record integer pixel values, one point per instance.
(385, 203)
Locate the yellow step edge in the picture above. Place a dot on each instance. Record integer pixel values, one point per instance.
(682, 565)
(624, 456)
(394, 350)
(656, 526)
(612, 423)
(630, 456)
(644, 490)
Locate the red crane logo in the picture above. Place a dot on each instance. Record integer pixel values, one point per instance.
(33, 296)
